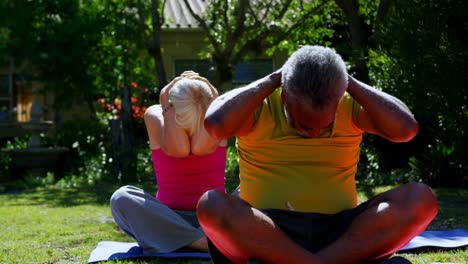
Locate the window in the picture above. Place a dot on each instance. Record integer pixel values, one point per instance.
(246, 72)
(5, 97)
(15, 98)
(23, 100)
(203, 67)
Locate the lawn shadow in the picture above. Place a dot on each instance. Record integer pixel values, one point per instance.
(61, 197)
(453, 213)
(58, 196)
(367, 190)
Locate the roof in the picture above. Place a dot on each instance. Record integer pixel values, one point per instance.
(177, 15)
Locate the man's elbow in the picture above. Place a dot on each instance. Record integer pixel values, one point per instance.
(215, 128)
(407, 133)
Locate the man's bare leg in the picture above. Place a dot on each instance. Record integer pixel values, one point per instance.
(391, 220)
(241, 232)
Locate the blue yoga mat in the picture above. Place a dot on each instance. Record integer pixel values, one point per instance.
(446, 239)
(111, 250)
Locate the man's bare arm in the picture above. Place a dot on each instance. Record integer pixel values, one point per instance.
(232, 114)
(381, 113)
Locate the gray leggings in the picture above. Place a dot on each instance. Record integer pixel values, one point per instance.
(154, 226)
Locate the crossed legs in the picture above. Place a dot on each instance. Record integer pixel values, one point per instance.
(156, 227)
(390, 220)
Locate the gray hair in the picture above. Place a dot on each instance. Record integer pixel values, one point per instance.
(191, 99)
(314, 74)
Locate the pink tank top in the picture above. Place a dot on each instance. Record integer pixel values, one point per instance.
(181, 181)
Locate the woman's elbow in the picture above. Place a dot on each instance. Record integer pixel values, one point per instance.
(177, 152)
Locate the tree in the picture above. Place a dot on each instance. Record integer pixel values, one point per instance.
(122, 63)
(80, 51)
(364, 20)
(152, 35)
(238, 29)
(56, 41)
(422, 60)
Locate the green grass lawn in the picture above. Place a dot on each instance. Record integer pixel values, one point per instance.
(55, 225)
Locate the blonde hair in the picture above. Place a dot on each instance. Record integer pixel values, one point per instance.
(190, 99)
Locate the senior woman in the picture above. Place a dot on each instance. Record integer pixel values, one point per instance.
(187, 162)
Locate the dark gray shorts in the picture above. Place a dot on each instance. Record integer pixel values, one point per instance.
(312, 231)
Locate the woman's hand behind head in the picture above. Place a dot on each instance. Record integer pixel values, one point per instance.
(203, 79)
(164, 94)
(189, 74)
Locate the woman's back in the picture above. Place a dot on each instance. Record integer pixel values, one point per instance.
(187, 162)
(181, 181)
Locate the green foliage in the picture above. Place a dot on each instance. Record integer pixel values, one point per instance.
(420, 60)
(18, 142)
(368, 10)
(125, 67)
(88, 146)
(73, 48)
(90, 153)
(325, 27)
(384, 168)
(232, 162)
(85, 50)
(232, 169)
(5, 168)
(120, 56)
(145, 171)
(239, 30)
(32, 181)
(57, 40)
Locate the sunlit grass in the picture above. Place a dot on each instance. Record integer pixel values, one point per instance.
(54, 225)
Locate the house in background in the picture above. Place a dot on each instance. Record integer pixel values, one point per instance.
(16, 97)
(182, 42)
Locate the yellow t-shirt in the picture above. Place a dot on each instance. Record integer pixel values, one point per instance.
(278, 165)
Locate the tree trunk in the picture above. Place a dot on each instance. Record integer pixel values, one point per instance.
(359, 34)
(155, 46)
(90, 104)
(153, 39)
(156, 53)
(114, 125)
(223, 75)
(128, 138)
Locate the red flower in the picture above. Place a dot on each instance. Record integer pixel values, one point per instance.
(113, 104)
